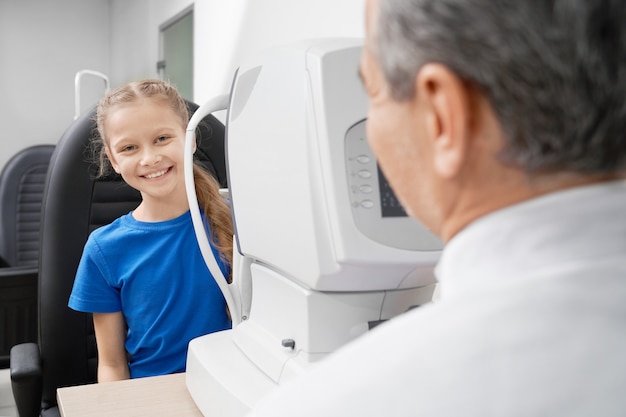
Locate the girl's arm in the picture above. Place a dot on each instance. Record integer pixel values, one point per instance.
(110, 336)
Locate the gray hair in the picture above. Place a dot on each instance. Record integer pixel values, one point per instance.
(554, 71)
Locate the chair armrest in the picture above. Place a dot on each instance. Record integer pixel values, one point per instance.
(18, 308)
(26, 379)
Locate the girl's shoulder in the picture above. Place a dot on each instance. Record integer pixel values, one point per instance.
(116, 227)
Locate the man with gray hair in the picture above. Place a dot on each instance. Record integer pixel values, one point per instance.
(501, 125)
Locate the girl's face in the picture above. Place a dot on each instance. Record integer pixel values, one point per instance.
(145, 143)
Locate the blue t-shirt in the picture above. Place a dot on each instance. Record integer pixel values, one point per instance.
(155, 274)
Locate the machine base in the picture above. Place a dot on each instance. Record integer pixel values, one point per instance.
(221, 379)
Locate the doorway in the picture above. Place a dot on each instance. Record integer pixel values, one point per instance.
(176, 55)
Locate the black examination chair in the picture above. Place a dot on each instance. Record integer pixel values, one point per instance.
(21, 191)
(74, 204)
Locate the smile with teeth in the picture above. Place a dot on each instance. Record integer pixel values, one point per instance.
(156, 174)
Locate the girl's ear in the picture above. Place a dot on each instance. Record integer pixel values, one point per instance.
(448, 103)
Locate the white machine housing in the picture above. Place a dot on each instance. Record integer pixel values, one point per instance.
(318, 231)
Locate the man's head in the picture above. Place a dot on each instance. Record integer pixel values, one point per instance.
(493, 100)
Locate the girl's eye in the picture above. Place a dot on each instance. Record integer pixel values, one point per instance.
(162, 138)
(128, 148)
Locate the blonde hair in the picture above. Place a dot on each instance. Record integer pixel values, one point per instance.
(216, 211)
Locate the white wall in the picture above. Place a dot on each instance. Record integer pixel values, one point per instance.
(135, 36)
(42, 46)
(229, 32)
(226, 32)
(44, 43)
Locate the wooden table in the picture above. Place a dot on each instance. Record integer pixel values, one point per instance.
(154, 396)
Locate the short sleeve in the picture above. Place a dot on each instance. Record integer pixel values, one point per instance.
(92, 291)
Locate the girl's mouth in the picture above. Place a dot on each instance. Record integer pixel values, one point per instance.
(157, 174)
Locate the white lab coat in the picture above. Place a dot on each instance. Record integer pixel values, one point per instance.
(531, 321)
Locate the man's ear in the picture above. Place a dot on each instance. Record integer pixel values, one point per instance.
(115, 166)
(447, 102)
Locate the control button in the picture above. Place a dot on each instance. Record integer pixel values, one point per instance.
(366, 189)
(365, 174)
(368, 204)
(363, 159)
(288, 343)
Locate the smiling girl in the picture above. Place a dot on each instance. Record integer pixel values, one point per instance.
(143, 276)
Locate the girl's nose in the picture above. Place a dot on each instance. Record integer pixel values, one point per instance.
(150, 157)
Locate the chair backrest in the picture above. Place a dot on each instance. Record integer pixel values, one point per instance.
(21, 190)
(74, 204)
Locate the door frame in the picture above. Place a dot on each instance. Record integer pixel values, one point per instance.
(162, 27)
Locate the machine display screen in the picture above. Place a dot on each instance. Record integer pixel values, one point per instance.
(389, 204)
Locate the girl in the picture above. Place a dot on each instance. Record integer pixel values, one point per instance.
(143, 276)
